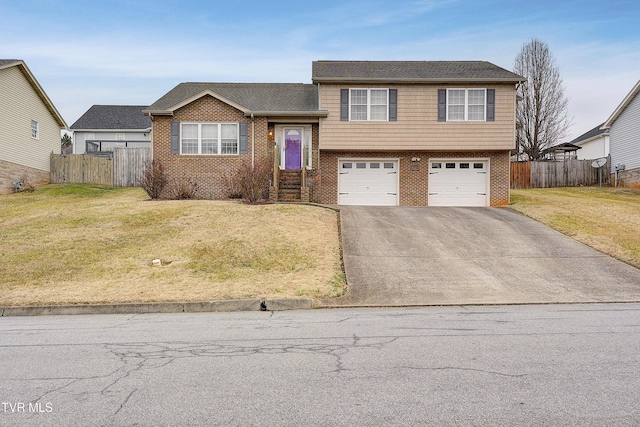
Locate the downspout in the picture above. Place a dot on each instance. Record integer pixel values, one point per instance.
(253, 142)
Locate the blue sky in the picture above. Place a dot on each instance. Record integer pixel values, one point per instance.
(133, 52)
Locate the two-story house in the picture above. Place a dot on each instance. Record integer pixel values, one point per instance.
(30, 127)
(364, 132)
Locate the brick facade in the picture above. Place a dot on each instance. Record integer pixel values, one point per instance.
(208, 171)
(414, 176)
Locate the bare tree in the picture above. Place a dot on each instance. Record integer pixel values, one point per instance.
(542, 116)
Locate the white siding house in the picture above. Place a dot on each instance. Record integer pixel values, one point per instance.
(594, 144)
(624, 131)
(103, 127)
(30, 126)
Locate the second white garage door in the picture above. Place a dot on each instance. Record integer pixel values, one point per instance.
(368, 182)
(456, 182)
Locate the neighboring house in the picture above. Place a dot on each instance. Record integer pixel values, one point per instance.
(624, 134)
(594, 143)
(30, 126)
(103, 127)
(365, 133)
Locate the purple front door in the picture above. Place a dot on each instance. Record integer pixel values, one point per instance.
(292, 149)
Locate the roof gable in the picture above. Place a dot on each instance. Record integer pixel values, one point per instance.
(411, 72)
(250, 98)
(122, 117)
(624, 104)
(6, 63)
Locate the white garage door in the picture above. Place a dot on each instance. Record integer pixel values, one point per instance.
(458, 182)
(368, 182)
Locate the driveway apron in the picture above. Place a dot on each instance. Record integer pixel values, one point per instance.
(427, 255)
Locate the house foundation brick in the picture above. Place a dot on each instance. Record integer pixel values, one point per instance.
(10, 172)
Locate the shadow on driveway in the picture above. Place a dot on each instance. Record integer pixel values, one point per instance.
(458, 256)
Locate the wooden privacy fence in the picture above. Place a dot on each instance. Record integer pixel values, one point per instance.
(123, 168)
(567, 173)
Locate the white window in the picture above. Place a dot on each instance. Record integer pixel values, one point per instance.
(209, 138)
(466, 104)
(369, 104)
(34, 130)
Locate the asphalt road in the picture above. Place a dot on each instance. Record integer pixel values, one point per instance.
(490, 365)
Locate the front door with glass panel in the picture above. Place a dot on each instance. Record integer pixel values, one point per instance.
(293, 148)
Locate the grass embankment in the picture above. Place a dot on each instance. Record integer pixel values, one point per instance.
(607, 219)
(77, 244)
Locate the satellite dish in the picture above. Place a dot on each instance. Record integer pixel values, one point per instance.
(598, 163)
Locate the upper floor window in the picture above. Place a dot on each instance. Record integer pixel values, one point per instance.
(368, 105)
(466, 104)
(209, 138)
(35, 131)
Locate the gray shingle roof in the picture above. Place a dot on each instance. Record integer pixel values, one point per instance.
(252, 97)
(113, 117)
(590, 134)
(4, 62)
(410, 71)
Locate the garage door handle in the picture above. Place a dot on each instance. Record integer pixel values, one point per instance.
(432, 173)
(344, 173)
(483, 172)
(391, 172)
(433, 194)
(393, 194)
(481, 194)
(343, 193)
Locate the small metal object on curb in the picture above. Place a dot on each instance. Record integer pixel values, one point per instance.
(263, 306)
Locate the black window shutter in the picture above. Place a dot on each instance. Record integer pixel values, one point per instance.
(175, 137)
(393, 105)
(491, 105)
(244, 138)
(442, 105)
(344, 105)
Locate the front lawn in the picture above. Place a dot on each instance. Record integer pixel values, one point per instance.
(77, 244)
(607, 219)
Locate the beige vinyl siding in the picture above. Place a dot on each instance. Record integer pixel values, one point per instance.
(417, 126)
(19, 104)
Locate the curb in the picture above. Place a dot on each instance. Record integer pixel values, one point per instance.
(253, 304)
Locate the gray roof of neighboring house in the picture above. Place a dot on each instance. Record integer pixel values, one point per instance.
(411, 71)
(256, 98)
(113, 117)
(590, 134)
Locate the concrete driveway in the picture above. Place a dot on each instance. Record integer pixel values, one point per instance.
(421, 255)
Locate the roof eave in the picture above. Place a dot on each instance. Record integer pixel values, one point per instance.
(41, 93)
(511, 80)
(314, 113)
(625, 102)
(148, 129)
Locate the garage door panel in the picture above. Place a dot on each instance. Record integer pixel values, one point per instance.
(368, 182)
(458, 183)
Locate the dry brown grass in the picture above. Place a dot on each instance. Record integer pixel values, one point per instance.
(607, 219)
(77, 244)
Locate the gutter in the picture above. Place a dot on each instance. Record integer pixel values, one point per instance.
(253, 142)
